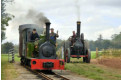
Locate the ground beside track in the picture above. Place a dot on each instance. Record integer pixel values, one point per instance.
(14, 71)
(25, 74)
(8, 71)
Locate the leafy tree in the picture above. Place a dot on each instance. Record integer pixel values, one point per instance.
(5, 18)
(116, 40)
(16, 48)
(92, 45)
(100, 38)
(98, 42)
(6, 47)
(101, 43)
(106, 44)
(59, 43)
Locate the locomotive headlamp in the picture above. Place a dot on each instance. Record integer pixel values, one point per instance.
(61, 62)
(34, 62)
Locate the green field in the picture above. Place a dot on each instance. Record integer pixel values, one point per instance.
(7, 69)
(93, 54)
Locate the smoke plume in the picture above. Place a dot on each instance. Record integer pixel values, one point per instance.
(37, 17)
(78, 9)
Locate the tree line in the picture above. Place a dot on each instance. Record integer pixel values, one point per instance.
(101, 43)
(7, 46)
(114, 42)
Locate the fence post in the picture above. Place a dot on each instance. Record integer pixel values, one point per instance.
(12, 55)
(96, 52)
(11, 52)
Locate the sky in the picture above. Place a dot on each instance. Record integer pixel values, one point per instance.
(96, 16)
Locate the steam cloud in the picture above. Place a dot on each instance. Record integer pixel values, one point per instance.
(31, 17)
(78, 9)
(37, 17)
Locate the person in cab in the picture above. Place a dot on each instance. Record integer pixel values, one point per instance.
(34, 35)
(53, 36)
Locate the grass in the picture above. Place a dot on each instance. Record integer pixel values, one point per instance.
(8, 71)
(93, 54)
(92, 71)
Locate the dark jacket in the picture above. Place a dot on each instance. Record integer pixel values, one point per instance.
(34, 36)
(73, 39)
(53, 37)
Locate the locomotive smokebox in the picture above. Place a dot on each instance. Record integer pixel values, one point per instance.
(47, 50)
(47, 30)
(78, 28)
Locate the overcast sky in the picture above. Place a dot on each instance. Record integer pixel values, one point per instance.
(97, 17)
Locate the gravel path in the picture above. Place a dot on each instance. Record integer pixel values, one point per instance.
(25, 74)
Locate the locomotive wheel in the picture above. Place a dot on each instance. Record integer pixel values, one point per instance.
(89, 56)
(84, 59)
(67, 55)
(22, 61)
(25, 62)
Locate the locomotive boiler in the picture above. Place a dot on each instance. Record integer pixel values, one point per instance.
(77, 49)
(39, 54)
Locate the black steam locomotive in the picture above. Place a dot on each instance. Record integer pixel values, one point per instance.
(39, 54)
(78, 49)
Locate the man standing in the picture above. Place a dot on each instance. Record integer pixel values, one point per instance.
(53, 36)
(73, 38)
(34, 35)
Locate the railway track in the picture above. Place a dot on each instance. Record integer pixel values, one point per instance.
(48, 75)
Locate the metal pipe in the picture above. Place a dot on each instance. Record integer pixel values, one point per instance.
(78, 28)
(47, 31)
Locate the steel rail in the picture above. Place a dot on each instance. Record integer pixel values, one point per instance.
(45, 76)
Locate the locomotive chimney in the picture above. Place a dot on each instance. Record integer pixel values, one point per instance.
(78, 28)
(47, 30)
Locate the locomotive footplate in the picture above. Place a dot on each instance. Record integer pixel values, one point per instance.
(45, 64)
(75, 56)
